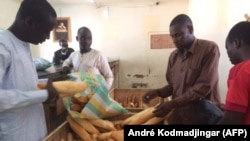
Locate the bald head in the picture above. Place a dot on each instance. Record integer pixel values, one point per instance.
(181, 19)
(34, 21)
(82, 29)
(37, 9)
(181, 31)
(84, 37)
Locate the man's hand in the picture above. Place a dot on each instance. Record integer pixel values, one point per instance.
(65, 70)
(163, 109)
(53, 94)
(149, 96)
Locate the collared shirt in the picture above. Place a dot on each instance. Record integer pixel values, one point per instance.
(238, 95)
(21, 110)
(192, 75)
(93, 61)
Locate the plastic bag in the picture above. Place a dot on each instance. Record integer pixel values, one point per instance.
(41, 64)
(101, 105)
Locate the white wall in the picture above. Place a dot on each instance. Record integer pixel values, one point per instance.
(8, 9)
(212, 20)
(125, 33)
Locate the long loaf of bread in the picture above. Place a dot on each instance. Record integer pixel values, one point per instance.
(105, 124)
(66, 88)
(118, 135)
(81, 132)
(104, 136)
(153, 121)
(157, 120)
(88, 126)
(140, 118)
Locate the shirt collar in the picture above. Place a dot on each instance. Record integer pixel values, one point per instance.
(190, 51)
(17, 39)
(192, 48)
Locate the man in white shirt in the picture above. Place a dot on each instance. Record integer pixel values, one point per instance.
(88, 59)
(21, 109)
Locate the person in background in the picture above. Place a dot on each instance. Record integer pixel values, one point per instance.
(63, 53)
(88, 59)
(192, 74)
(21, 102)
(236, 109)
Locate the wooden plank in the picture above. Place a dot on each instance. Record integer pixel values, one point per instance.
(60, 132)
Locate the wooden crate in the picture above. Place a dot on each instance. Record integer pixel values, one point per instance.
(131, 98)
(55, 114)
(61, 132)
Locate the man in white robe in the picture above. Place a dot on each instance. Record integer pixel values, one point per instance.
(21, 110)
(88, 59)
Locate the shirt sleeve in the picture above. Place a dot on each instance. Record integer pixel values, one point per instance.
(167, 90)
(106, 70)
(68, 61)
(15, 98)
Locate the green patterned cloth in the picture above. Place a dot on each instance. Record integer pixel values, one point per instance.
(101, 105)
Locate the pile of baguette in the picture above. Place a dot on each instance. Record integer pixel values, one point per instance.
(133, 101)
(111, 130)
(79, 101)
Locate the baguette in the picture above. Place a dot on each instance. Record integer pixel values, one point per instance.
(118, 135)
(42, 85)
(70, 137)
(81, 132)
(139, 118)
(157, 120)
(76, 107)
(94, 136)
(117, 124)
(105, 124)
(69, 87)
(104, 136)
(140, 102)
(66, 88)
(80, 99)
(153, 121)
(88, 126)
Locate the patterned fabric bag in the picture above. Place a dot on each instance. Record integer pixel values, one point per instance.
(101, 105)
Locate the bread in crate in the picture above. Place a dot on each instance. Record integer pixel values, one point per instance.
(108, 129)
(131, 98)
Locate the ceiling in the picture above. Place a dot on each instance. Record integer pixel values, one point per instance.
(101, 3)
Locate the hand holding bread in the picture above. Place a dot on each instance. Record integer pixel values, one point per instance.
(65, 88)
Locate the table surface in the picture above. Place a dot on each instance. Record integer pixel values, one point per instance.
(57, 69)
(50, 70)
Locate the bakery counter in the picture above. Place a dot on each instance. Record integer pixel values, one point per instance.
(55, 70)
